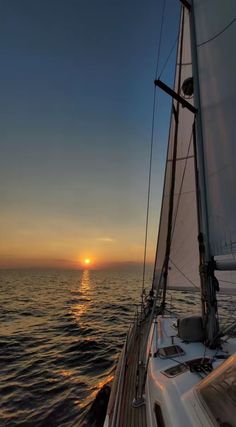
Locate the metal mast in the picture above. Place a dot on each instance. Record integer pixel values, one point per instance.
(172, 186)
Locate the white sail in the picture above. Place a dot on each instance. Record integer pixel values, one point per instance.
(184, 256)
(215, 24)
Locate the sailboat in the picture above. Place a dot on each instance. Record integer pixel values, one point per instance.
(179, 371)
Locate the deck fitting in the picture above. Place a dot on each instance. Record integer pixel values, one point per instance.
(137, 402)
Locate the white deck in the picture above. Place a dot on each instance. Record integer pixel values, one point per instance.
(177, 395)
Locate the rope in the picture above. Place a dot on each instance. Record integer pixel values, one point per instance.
(151, 151)
(218, 34)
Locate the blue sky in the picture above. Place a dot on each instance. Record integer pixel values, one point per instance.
(76, 83)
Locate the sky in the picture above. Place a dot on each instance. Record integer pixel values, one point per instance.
(76, 84)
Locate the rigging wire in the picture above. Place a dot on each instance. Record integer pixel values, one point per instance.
(151, 151)
(217, 34)
(160, 287)
(140, 356)
(160, 37)
(173, 169)
(168, 57)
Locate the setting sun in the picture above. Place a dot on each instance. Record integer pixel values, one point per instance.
(86, 262)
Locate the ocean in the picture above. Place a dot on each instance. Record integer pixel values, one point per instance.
(60, 336)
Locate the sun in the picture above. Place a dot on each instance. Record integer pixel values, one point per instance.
(86, 262)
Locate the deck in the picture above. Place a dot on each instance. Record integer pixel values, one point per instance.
(127, 415)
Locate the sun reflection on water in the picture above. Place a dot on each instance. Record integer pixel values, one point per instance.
(81, 308)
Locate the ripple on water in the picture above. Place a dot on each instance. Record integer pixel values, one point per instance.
(60, 335)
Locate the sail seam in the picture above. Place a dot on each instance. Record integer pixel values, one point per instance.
(181, 158)
(183, 274)
(227, 281)
(218, 34)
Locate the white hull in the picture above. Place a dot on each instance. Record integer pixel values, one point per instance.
(177, 395)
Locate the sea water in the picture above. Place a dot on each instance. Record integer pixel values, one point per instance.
(60, 336)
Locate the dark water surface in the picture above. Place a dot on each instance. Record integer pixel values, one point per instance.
(60, 333)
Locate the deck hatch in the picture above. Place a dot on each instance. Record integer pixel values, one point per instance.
(170, 351)
(200, 365)
(175, 370)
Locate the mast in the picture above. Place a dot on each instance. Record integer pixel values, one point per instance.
(206, 268)
(172, 186)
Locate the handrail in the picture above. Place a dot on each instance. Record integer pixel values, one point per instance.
(113, 414)
(116, 411)
(120, 387)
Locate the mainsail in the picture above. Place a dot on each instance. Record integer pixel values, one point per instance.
(215, 24)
